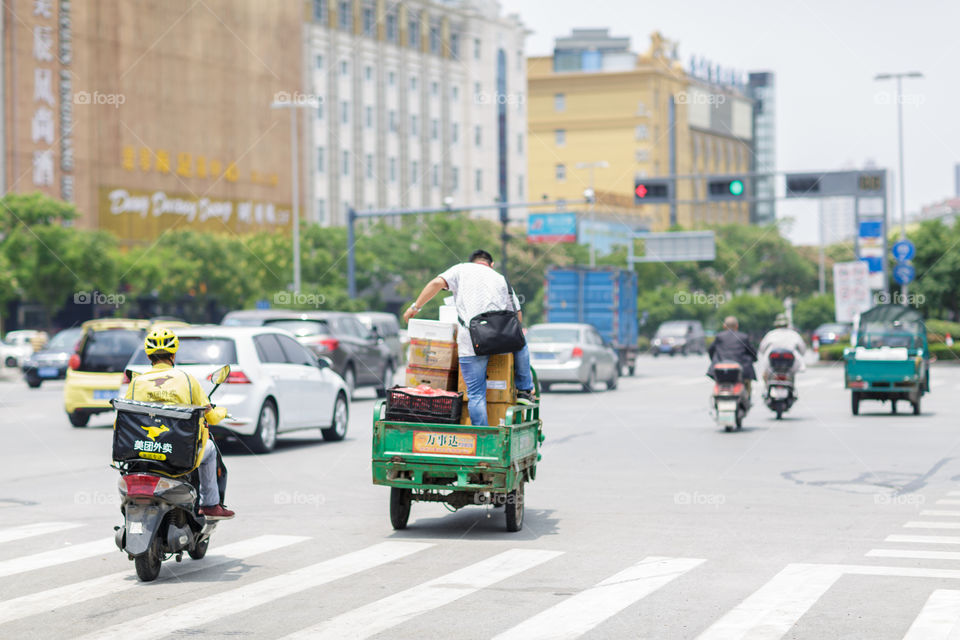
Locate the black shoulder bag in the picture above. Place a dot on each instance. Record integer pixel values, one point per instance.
(495, 332)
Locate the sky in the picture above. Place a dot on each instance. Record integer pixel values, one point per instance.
(831, 113)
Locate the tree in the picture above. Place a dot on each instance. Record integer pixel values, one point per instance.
(937, 262)
(754, 313)
(810, 313)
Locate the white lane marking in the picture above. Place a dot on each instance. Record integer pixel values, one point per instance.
(916, 554)
(934, 512)
(378, 616)
(812, 382)
(925, 539)
(35, 529)
(954, 493)
(939, 619)
(233, 601)
(57, 556)
(948, 501)
(46, 601)
(580, 613)
(932, 525)
(769, 612)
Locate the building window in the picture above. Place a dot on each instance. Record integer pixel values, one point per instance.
(519, 60)
(392, 121)
(519, 143)
(369, 25)
(641, 132)
(391, 78)
(392, 26)
(455, 45)
(435, 176)
(346, 163)
(413, 30)
(560, 137)
(368, 111)
(559, 102)
(414, 172)
(320, 10)
(346, 15)
(478, 180)
(413, 83)
(455, 92)
(344, 68)
(345, 112)
(454, 178)
(434, 89)
(434, 38)
(478, 135)
(321, 211)
(321, 160)
(393, 169)
(413, 124)
(368, 73)
(477, 90)
(642, 155)
(369, 161)
(519, 186)
(320, 110)
(319, 61)
(435, 129)
(561, 172)
(476, 50)
(455, 132)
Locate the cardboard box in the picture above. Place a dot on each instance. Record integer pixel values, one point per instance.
(435, 378)
(433, 354)
(496, 411)
(501, 385)
(432, 330)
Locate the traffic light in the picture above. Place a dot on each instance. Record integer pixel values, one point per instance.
(651, 191)
(727, 189)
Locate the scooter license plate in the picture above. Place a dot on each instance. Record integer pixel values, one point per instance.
(727, 406)
(779, 393)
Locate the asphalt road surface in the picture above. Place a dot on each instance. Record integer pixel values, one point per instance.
(645, 521)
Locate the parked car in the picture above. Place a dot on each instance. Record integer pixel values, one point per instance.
(95, 371)
(15, 348)
(361, 358)
(275, 384)
(251, 317)
(572, 352)
(832, 332)
(388, 328)
(679, 336)
(51, 362)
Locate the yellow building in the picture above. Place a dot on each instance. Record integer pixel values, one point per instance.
(594, 101)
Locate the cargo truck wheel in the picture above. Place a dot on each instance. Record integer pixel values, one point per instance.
(514, 509)
(632, 370)
(855, 403)
(893, 406)
(615, 380)
(399, 507)
(916, 407)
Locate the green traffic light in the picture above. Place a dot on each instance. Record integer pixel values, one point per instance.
(736, 187)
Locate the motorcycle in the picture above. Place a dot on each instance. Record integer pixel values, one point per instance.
(161, 513)
(780, 391)
(730, 400)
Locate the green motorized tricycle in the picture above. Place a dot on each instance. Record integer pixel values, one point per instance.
(889, 358)
(456, 464)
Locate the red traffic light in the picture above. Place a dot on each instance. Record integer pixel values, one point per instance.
(641, 191)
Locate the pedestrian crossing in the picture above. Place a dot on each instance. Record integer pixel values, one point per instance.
(768, 613)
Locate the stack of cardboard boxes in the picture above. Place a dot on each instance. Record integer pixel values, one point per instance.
(432, 359)
(501, 389)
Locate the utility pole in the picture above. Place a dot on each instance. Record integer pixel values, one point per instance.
(597, 164)
(295, 180)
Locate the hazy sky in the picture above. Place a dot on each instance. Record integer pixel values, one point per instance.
(831, 114)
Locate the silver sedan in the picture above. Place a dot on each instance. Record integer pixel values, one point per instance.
(570, 352)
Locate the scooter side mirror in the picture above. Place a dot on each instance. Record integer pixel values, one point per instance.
(220, 375)
(131, 374)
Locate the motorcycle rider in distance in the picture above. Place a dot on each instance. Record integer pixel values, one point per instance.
(732, 345)
(782, 337)
(167, 385)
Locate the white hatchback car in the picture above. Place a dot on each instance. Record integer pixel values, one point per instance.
(275, 384)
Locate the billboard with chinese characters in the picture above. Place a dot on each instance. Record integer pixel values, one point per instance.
(551, 228)
(136, 215)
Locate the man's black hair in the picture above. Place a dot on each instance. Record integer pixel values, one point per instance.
(480, 254)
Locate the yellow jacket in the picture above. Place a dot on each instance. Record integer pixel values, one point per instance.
(165, 384)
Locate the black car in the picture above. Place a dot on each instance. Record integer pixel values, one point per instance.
(679, 336)
(51, 362)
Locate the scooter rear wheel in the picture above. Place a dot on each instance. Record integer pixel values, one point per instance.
(148, 564)
(200, 549)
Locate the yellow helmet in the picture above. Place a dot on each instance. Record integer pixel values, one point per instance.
(161, 340)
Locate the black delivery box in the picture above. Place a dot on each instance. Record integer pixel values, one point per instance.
(168, 436)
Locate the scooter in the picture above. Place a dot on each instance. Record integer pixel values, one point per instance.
(779, 379)
(730, 400)
(161, 513)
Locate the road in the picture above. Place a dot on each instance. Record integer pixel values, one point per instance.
(645, 521)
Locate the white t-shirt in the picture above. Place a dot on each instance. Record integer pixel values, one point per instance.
(476, 289)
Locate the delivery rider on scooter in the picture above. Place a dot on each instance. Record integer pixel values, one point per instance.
(167, 385)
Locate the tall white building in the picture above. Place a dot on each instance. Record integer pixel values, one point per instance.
(411, 97)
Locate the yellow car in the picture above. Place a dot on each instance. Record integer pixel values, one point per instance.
(95, 372)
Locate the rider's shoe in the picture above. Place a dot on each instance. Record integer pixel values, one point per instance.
(216, 512)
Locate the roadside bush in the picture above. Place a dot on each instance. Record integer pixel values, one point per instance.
(832, 352)
(937, 331)
(943, 353)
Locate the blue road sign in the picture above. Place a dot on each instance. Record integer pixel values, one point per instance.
(262, 304)
(903, 250)
(904, 273)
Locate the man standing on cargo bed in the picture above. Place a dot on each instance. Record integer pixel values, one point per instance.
(476, 289)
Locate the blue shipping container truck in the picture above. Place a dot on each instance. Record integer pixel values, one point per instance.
(603, 297)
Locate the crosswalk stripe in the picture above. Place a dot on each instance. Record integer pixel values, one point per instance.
(948, 501)
(939, 619)
(35, 529)
(234, 601)
(944, 512)
(769, 612)
(925, 539)
(953, 493)
(932, 525)
(582, 612)
(916, 554)
(56, 556)
(383, 614)
(45, 601)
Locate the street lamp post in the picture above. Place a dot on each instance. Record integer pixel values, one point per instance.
(295, 180)
(597, 164)
(897, 98)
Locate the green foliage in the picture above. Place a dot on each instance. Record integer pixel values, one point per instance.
(832, 352)
(937, 331)
(938, 267)
(755, 313)
(943, 353)
(810, 313)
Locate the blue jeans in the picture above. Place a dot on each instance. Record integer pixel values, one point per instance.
(474, 370)
(209, 489)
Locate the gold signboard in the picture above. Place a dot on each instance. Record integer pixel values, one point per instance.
(142, 215)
